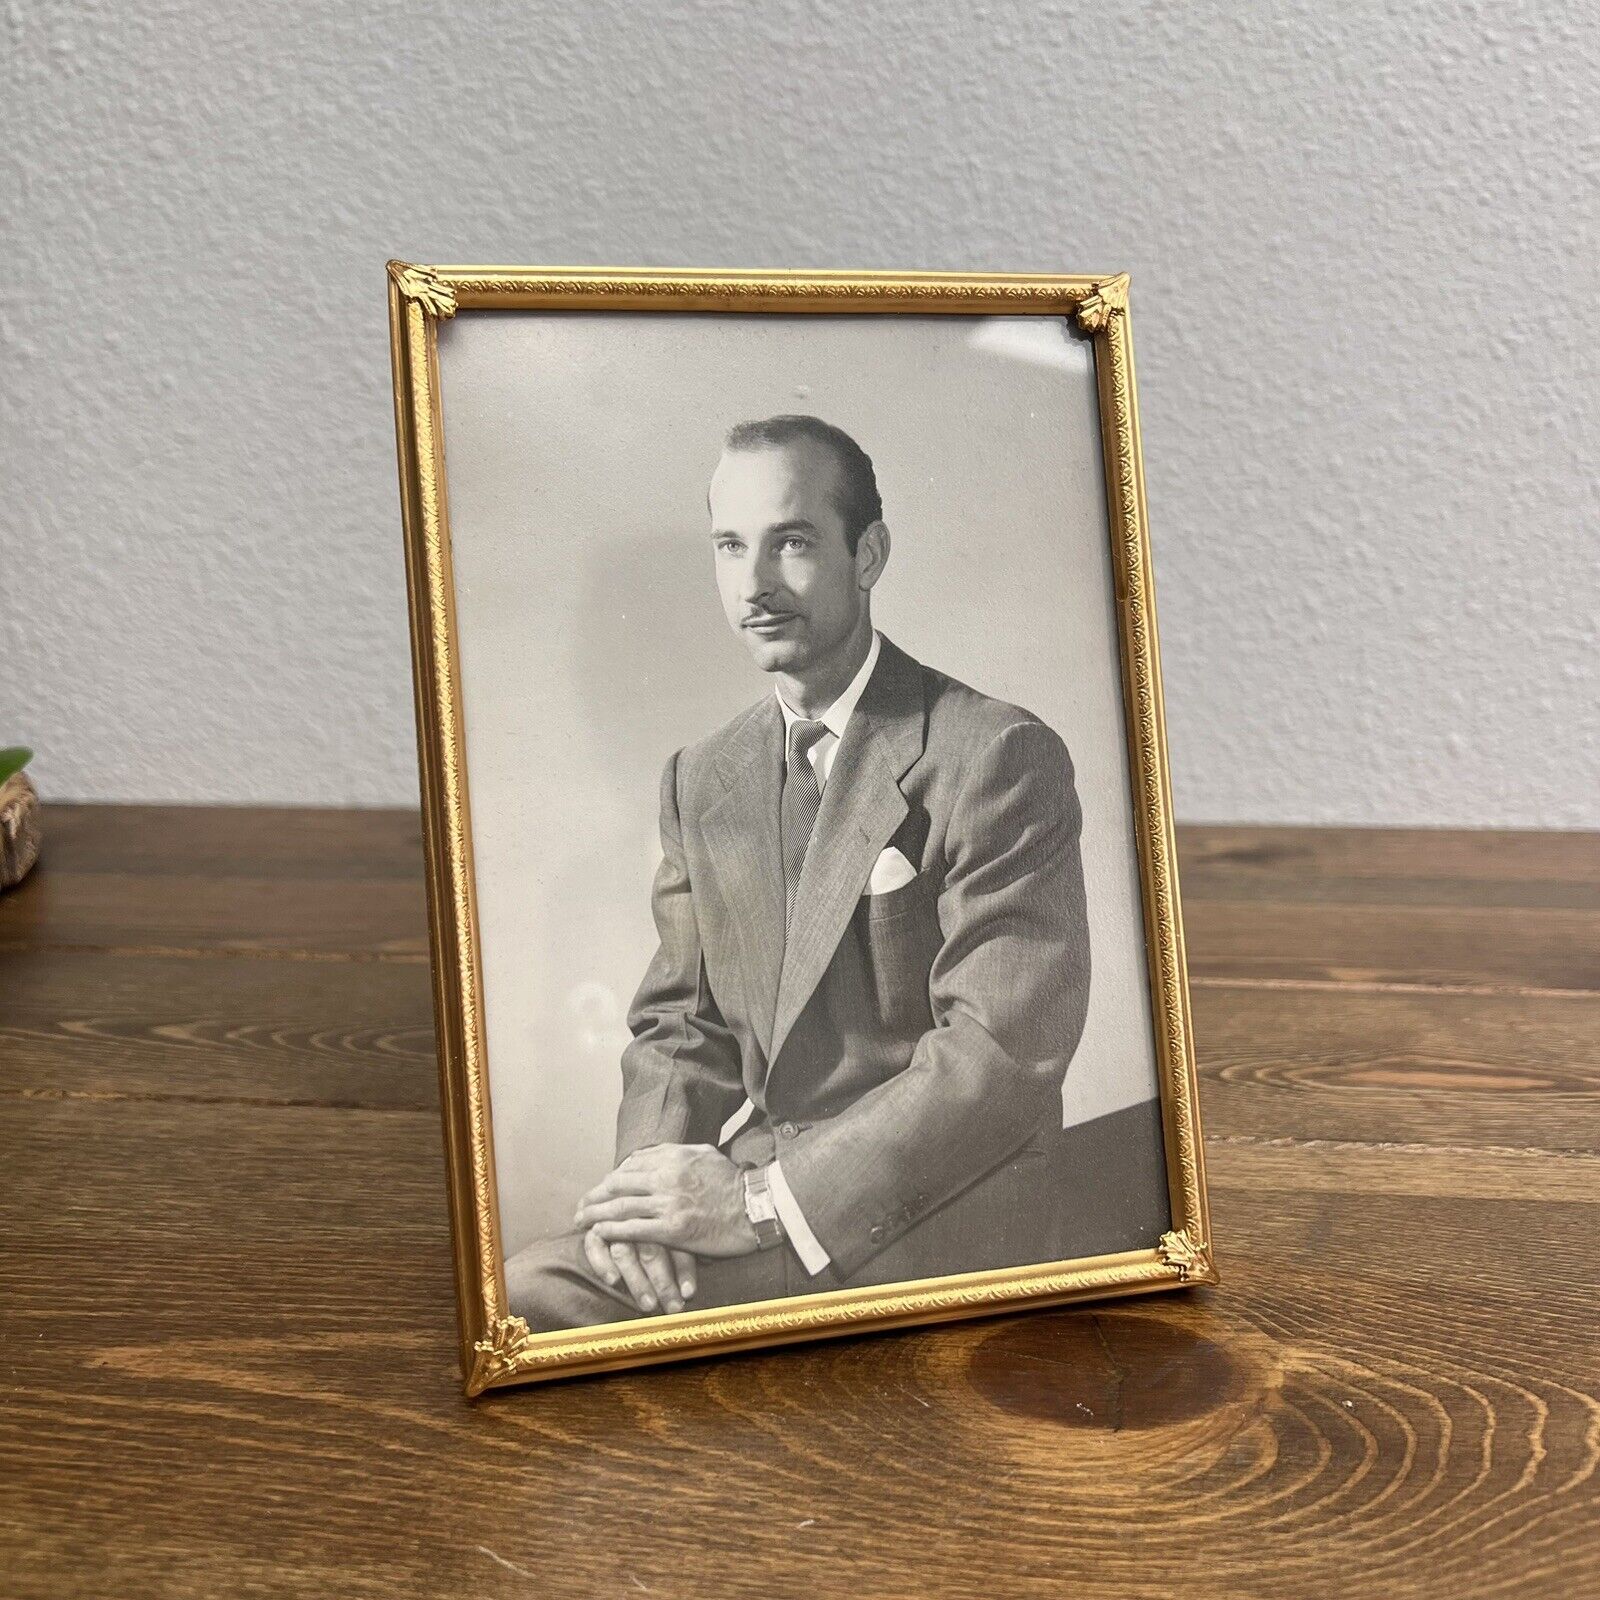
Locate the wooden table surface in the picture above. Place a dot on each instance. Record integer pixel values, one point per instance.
(226, 1312)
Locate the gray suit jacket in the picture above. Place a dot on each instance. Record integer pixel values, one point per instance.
(908, 1048)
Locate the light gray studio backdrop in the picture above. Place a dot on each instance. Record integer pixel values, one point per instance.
(1362, 238)
(593, 645)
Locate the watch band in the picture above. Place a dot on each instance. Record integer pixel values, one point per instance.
(760, 1209)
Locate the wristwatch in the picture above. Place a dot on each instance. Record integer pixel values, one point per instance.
(759, 1208)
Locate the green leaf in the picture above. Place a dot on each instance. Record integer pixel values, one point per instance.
(14, 760)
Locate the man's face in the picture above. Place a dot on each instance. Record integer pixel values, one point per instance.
(791, 589)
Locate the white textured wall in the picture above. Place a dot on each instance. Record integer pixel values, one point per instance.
(1363, 240)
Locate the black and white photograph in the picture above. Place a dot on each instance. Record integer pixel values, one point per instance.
(808, 897)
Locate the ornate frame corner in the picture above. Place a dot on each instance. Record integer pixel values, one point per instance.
(1108, 299)
(1188, 1255)
(496, 1347)
(425, 287)
(499, 1354)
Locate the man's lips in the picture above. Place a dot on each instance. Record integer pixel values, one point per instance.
(768, 620)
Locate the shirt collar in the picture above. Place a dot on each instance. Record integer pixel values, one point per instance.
(838, 714)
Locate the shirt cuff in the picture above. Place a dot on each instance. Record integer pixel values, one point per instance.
(812, 1256)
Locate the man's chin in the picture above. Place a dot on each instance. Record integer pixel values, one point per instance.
(774, 655)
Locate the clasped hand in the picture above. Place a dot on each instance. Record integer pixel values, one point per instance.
(663, 1206)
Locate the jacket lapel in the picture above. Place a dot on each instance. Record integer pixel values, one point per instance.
(741, 831)
(862, 806)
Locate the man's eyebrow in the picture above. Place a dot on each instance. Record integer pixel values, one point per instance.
(794, 525)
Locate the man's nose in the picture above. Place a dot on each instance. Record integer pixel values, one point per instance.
(759, 577)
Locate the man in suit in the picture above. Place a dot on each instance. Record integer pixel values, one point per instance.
(872, 938)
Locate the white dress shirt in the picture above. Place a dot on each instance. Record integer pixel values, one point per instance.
(812, 1256)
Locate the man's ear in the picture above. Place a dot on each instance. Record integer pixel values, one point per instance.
(872, 554)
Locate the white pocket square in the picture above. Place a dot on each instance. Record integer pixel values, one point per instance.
(890, 871)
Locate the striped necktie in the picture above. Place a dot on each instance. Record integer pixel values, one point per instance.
(802, 796)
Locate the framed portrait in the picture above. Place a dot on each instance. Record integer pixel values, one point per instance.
(806, 941)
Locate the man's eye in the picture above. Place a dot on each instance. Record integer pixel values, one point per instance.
(730, 546)
(794, 543)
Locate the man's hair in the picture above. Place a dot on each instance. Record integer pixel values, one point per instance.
(857, 497)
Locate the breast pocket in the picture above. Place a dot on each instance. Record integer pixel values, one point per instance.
(897, 902)
(900, 935)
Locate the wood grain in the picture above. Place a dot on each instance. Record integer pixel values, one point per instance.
(88, 1022)
(1500, 949)
(199, 880)
(1393, 908)
(1417, 1067)
(225, 1286)
(1392, 858)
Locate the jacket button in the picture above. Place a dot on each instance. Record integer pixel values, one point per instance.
(875, 1233)
(788, 1130)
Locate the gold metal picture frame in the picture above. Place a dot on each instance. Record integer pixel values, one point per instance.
(496, 1347)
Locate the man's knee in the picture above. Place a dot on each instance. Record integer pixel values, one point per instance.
(549, 1287)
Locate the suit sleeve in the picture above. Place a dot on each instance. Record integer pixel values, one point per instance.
(1008, 992)
(681, 1075)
